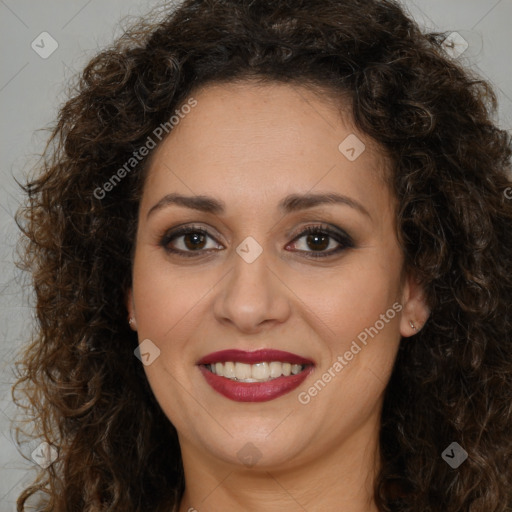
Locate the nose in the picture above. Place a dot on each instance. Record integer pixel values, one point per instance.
(252, 296)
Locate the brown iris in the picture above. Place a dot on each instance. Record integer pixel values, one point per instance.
(197, 240)
(317, 241)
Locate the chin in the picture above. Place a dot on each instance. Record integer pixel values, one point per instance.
(258, 445)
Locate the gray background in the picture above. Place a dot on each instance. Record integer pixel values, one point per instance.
(32, 88)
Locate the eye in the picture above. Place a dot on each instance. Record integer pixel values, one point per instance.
(317, 239)
(187, 240)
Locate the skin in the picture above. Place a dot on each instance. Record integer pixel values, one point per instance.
(250, 145)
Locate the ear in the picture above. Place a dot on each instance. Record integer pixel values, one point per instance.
(415, 311)
(130, 306)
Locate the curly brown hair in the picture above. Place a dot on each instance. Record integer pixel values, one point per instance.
(87, 393)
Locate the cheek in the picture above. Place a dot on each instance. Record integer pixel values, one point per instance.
(166, 296)
(345, 302)
(169, 304)
(362, 314)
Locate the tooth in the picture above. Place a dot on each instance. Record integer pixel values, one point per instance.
(260, 371)
(275, 369)
(243, 371)
(229, 370)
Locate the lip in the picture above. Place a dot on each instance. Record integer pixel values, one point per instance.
(254, 391)
(256, 356)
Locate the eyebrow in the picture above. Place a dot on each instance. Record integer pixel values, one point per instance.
(291, 203)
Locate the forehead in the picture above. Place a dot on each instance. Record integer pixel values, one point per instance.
(254, 141)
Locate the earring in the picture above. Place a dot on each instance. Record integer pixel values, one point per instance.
(411, 323)
(131, 321)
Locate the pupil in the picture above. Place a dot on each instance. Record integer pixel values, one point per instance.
(314, 239)
(197, 239)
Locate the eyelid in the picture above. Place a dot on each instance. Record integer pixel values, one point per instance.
(325, 227)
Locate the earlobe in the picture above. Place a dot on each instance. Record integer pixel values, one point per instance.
(131, 309)
(415, 311)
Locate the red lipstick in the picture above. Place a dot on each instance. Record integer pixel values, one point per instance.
(254, 391)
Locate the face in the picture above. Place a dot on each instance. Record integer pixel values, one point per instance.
(305, 299)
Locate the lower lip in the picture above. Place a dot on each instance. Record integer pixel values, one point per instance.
(254, 391)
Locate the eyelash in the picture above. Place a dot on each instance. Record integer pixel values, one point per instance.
(341, 238)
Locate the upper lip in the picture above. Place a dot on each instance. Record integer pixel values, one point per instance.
(256, 356)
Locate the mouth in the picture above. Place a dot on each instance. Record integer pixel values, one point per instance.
(256, 376)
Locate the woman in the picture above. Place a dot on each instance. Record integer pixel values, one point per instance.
(271, 251)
